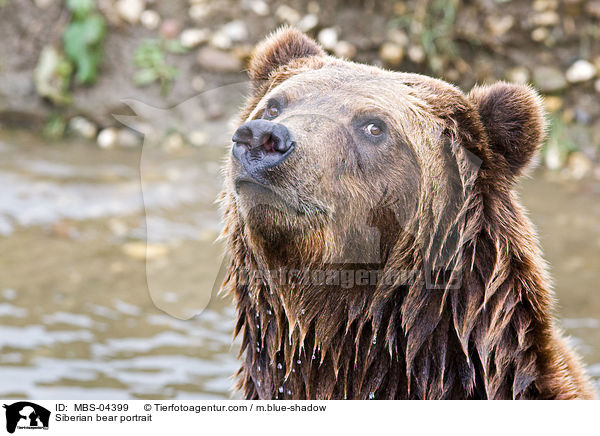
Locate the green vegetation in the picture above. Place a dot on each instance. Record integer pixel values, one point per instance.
(55, 126)
(83, 38)
(151, 59)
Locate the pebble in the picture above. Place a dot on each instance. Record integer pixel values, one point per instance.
(235, 30)
(391, 53)
(107, 138)
(345, 49)
(191, 38)
(260, 8)
(500, 25)
(170, 28)
(328, 38)
(198, 138)
(549, 79)
(130, 10)
(287, 14)
(128, 138)
(540, 34)
(552, 103)
(308, 22)
(581, 71)
(548, 18)
(212, 59)
(173, 142)
(150, 19)
(416, 54)
(579, 165)
(199, 12)
(519, 75)
(83, 127)
(198, 83)
(141, 250)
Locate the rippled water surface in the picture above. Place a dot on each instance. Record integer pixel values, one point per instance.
(82, 317)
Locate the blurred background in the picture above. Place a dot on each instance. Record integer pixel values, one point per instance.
(101, 99)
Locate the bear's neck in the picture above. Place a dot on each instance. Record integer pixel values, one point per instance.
(486, 337)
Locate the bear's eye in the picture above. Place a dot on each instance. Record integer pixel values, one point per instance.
(373, 129)
(271, 111)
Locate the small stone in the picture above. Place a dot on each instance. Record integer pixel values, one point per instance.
(235, 30)
(130, 10)
(107, 138)
(173, 142)
(287, 14)
(548, 18)
(549, 79)
(221, 41)
(579, 165)
(127, 138)
(581, 71)
(500, 25)
(150, 19)
(552, 103)
(540, 34)
(416, 54)
(593, 8)
(83, 127)
(191, 38)
(260, 8)
(344, 49)
(398, 36)
(198, 138)
(308, 22)
(519, 75)
(198, 83)
(391, 53)
(199, 12)
(43, 4)
(170, 28)
(211, 59)
(141, 250)
(328, 38)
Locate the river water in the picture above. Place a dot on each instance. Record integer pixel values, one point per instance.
(83, 317)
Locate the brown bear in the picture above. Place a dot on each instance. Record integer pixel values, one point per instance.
(378, 250)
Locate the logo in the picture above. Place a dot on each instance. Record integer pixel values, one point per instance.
(26, 415)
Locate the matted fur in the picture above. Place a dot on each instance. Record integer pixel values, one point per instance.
(494, 337)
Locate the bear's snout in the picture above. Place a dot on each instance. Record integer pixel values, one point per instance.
(260, 145)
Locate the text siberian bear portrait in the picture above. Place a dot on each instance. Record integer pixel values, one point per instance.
(337, 166)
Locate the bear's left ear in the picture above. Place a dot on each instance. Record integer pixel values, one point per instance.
(513, 118)
(280, 48)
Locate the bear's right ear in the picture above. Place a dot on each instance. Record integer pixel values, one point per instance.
(280, 48)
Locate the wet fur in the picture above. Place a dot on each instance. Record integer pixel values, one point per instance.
(492, 338)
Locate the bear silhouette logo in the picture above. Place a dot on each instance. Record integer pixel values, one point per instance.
(26, 415)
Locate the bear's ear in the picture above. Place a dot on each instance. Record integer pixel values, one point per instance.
(514, 120)
(280, 48)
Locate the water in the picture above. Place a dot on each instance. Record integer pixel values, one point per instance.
(81, 316)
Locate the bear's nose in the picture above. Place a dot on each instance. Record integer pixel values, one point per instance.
(261, 144)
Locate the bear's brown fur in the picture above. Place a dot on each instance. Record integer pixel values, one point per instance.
(439, 190)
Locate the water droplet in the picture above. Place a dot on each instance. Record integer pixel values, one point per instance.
(281, 389)
(314, 356)
(289, 392)
(257, 326)
(303, 311)
(374, 339)
(293, 370)
(269, 312)
(371, 395)
(279, 366)
(258, 368)
(258, 383)
(258, 349)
